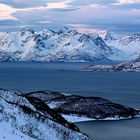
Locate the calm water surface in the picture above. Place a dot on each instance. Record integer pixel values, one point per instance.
(119, 87)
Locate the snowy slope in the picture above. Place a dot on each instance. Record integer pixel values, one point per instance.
(7, 132)
(22, 119)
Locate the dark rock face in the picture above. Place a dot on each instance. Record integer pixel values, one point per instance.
(92, 107)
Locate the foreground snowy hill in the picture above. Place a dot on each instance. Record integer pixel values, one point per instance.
(48, 45)
(31, 119)
(36, 115)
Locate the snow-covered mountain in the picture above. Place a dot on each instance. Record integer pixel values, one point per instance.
(31, 119)
(48, 45)
(67, 45)
(128, 43)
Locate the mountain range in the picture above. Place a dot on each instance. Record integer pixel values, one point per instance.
(67, 45)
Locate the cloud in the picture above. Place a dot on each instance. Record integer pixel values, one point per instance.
(23, 3)
(82, 14)
(44, 21)
(59, 5)
(83, 28)
(97, 6)
(128, 1)
(51, 4)
(6, 12)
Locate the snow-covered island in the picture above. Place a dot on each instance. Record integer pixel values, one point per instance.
(131, 66)
(78, 108)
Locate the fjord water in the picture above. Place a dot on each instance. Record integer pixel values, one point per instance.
(118, 87)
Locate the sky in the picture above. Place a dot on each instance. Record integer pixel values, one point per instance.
(83, 15)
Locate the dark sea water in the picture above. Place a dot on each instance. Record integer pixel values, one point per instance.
(119, 87)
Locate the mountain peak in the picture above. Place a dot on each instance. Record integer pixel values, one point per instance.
(48, 32)
(110, 35)
(67, 31)
(27, 30)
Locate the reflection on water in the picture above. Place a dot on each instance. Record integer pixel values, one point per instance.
(119, 87)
